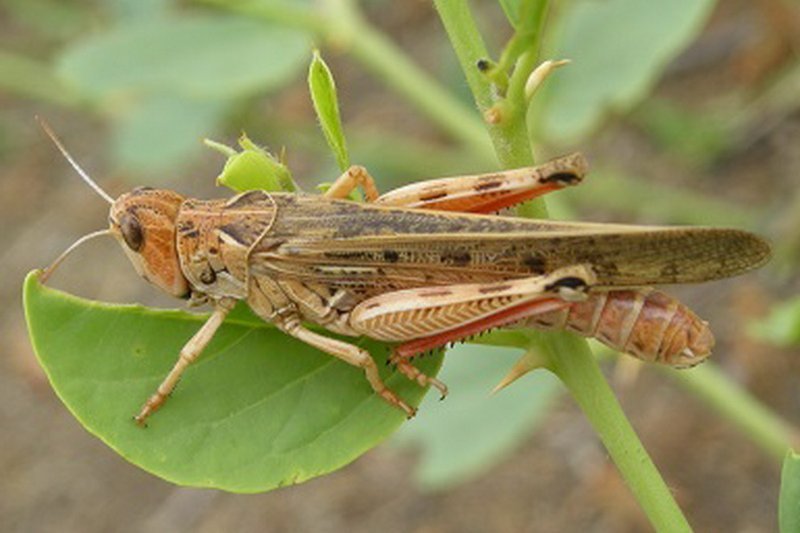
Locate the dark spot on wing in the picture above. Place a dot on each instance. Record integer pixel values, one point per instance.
(434, 293)
(433, 196)
(391, 256)
(535, 264)
(348, 255)
(456, 257)
(494, 288)
(562, 177)
(491, 183)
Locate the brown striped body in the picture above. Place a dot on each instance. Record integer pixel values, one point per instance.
(646, 323)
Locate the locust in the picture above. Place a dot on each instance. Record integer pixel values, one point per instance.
(420, 267)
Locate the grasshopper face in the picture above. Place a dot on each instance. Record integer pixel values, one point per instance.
(143, 221)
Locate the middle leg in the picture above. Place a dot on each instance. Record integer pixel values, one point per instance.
(353, 177)
(349, 353)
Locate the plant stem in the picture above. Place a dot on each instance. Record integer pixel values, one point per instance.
(569, 357)
(509, 136)
(572, 361)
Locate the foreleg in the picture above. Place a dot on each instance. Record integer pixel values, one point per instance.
(188, 354)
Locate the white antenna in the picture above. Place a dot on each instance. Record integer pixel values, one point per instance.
(46, 127)
(49, 270)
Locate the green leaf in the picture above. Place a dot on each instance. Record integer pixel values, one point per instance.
(326, 104)
(698, 138)
(473, 429)
(201, 56)
(789, 507)
(50, 18)
(159, 133)
(254, 168)
(127, 10)
(258, 410)
(782, 326)
(30, 78)
(618, 49)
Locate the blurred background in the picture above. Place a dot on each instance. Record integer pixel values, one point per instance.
(689, 112)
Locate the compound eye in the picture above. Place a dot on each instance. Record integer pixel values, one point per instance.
(131, 231)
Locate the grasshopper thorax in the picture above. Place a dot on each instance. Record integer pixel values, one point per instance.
(143, 221)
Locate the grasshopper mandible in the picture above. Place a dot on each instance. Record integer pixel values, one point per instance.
(421, 266)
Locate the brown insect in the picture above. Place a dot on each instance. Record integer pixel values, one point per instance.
(421, 266)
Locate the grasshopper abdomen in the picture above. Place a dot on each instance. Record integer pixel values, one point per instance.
(645, 323)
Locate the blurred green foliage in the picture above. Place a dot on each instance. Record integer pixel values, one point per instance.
(789, 511)
(465, 435)
(167, 81)
(782, 326)
(619, 48)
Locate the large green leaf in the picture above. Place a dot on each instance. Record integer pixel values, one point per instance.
(199, 56)
(158, 133)
(618, 49)
(258, 410)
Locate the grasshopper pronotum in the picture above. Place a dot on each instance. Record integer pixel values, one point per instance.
(421, 266)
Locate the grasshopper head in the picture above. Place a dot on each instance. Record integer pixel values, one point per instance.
(143, 221)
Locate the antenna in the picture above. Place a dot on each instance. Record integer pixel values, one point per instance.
(46, 127)
(49, 270)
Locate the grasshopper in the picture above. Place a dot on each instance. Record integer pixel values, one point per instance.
(421, 266)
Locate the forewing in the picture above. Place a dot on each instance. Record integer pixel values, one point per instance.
(349, 244)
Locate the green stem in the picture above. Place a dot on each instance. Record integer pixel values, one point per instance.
(509, 134)
(572, 361)
(569, 357)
